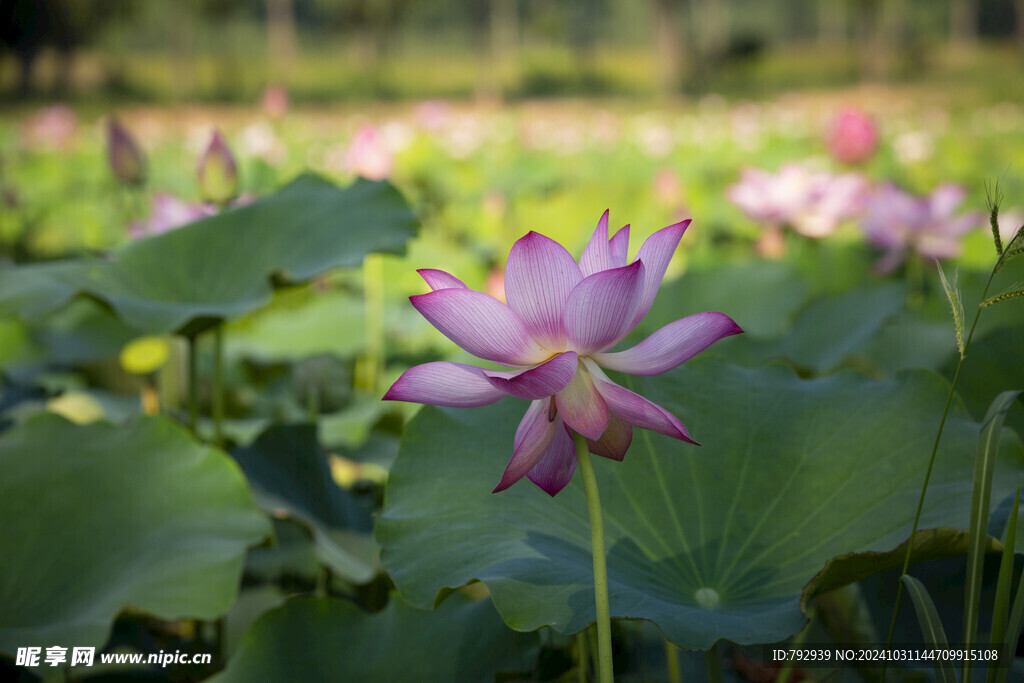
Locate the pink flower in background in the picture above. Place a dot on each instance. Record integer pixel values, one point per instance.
(274, 101)
(1009, 223)
(897, 221)
(838, 199)
(217, 171)
(853, 136)
(168, 212)
(814, 203)
(368, 154)
(53, 127)
(556, 334)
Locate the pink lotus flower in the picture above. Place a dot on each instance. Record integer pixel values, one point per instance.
(557, 332)
(813, 203)
(897, 221)
(852, 137)
(168, 212)
(368, 155)
(217, 171)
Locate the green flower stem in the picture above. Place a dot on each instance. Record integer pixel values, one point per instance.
(582, 673)
(931, 464)
(373, 301)
(218, 384)
(193, 385)
(672, 663)
(604, 622)
(713, 663)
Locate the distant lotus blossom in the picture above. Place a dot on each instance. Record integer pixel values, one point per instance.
(368, 154)
(53, 127)
(433, 114)
(814, 203)
(898, 222)
(168, 212)
(556, 333)
(852, 136)
(274, 101)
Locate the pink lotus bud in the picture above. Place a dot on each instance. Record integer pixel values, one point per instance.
(217, 171)
(125, 156)
(274, 101)
(853, 136)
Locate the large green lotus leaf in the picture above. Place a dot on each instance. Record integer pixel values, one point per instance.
(320, 639)
(290, 476)
(833, 330)
(221, 267)
(710, 542)
(733, 289)
(32, 291)
(99, 518)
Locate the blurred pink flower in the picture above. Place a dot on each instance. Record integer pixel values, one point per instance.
(1009, 223)
(274, 101)
(432, 115)
(52, 127)
(368, 154)
(853, 136)
(557, 331)
(897, 221)
(168, 212)
(813, 203)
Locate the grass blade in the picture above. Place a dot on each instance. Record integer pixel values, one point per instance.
(984, 466)
(1013, 631)
(1002, 603)
(931, 626)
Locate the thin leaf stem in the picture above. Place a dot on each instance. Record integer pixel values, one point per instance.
(218, 384)
(713, 663)
(931, 465)
(604, 622)
(672, 662)
(193, 384)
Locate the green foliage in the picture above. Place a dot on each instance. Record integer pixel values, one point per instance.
(304, 230)
(931, 626)
(310, 639)
(711, 542)
(98, 519)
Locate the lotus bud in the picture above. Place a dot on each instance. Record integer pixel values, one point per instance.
(125, 156)
(218, 172)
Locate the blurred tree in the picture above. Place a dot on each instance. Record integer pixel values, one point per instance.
(281, 40)
(28, 26)
(963, 21)
(668, 45)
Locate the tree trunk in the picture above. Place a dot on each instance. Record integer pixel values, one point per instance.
(667, 46)
(281, 41)
(963, 21)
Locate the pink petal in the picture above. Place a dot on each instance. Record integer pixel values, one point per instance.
(634, 408)
(556, 468)
(619, 247)
(533, 436)
(438, 279)
(480, 324)
(547, 379)
(597, 256)
(615, 441)
(656, 252)
(445, 384)
(601, 308)
(670, 346)
(539, 275)
(581, 406)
